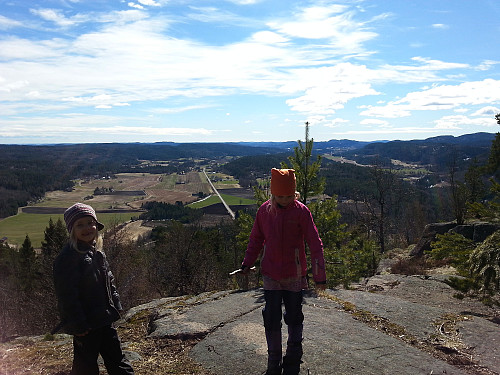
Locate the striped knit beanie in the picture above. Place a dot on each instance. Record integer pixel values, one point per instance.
(282, 182)
(77, 211)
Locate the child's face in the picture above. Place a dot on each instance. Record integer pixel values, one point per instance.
(284, 200)
(85, 229)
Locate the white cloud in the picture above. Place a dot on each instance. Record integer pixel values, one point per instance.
(487, 111)
(57, 17)
(388, 111)
(440, 98)
(133, 57)
(135, 5)
(149, 3)
(7, 23)
(216, 15)
(459, 122)
(58, 127)
(334, 23)
(450, 96)
(268, 37)
(371, 121)
(426, 64)
(440, 26)
(173, 110)
(314, 120)
(320, 60)
(384, 132)
(244, 2)
(335, 123)
(29, 53)
(328, 98)
(14, 86)
(328, 89)
(487, 65)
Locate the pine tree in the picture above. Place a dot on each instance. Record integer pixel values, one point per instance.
(474, 183)
(306, 172)
(26, 269)
(485, 264)
(494, 158)
(55, 236)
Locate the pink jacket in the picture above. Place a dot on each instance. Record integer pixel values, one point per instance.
(281, 233)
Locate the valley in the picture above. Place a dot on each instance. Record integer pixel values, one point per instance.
(120, 204)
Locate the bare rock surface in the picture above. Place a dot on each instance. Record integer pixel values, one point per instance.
(390, 324)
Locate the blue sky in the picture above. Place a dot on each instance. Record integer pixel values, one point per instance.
(247, 70)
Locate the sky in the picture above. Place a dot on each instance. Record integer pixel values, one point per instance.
(95, 71)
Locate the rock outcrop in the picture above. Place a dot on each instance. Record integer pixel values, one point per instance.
(476, 232)
(391, 324)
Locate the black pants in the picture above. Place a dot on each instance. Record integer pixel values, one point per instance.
(103, 341)
(294, 319)
(272, 310)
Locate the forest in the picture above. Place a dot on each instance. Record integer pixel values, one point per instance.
(362, 212)
(27, 172)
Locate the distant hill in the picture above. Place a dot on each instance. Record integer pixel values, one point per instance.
(474, 144)
(322, 146)
(438, 152)
(28, 171)
(435, 152)
(476, 139)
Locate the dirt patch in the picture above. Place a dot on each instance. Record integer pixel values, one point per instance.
(170, 196)
(136, 229)
(131, 190)
(131, 181)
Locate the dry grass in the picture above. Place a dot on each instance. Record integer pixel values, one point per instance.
(445, 345)
(35, 355)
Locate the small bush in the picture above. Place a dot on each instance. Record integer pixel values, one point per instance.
(410, 266)
(485, 264)
(463, 285)
(453, 248)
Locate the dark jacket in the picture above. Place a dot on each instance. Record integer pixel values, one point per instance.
(86, 294)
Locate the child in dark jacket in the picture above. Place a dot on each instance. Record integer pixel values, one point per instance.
(88, 301)
(280, 228)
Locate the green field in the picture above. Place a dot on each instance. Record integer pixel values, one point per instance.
(15, 228)
(230, 200)
(34, 225)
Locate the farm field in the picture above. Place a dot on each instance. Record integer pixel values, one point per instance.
(131, 190)
(15, 228)
(229, 199)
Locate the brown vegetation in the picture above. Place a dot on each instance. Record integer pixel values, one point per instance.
(52, 355)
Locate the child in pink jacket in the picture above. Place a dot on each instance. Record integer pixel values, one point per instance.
(280, 228)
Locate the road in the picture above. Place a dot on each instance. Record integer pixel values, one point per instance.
(230, 212)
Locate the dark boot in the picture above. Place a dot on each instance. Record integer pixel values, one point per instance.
(273, 368)
(294, 342)
(293, 357)
(274, 352)
(291, 365)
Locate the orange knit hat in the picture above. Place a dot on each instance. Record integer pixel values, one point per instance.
(282, 182)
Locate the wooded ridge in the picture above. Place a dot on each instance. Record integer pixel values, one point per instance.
(28, 171)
